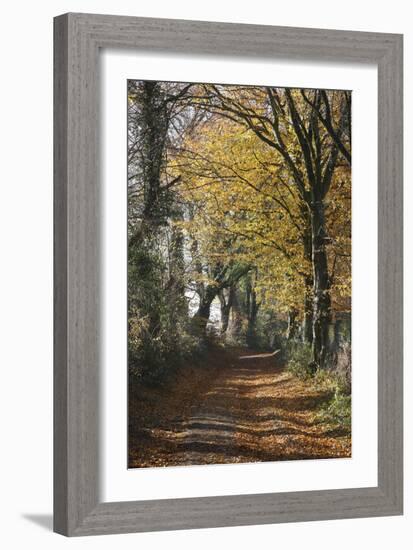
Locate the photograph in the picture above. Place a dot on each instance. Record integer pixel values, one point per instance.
(239, 273)
(204, 312)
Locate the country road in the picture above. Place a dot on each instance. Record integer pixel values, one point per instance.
(245, 408)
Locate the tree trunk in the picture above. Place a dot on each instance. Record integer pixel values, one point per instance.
(252, 311)
(175, 287)
(201, 317)
(154, 131)
(236, 318)
(226, 297)
(321, 288)
(338, 327)
(307, 334)
(292, 324)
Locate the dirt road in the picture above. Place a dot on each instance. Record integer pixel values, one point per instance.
(241, 409)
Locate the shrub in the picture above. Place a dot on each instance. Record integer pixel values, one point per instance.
(336, 380)
(299, 358)
(336, 411)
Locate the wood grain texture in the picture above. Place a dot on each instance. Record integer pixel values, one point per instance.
(60, 278)
(78, 38)
(390, 274)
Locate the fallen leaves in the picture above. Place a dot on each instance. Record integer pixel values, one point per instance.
(224, 410)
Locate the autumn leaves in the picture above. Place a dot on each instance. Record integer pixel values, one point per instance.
(268, 171)
(242, 195)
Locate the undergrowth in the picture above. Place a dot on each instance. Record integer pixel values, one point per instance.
(335, 380)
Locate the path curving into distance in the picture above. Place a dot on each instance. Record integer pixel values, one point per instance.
(245, 408)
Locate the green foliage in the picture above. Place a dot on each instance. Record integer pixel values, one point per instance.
(335, 381)
(299, 358)
(337, 411)
(158, 311)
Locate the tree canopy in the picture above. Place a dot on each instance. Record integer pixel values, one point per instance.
(240, 197)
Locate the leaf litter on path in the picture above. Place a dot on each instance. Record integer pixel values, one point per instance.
(228, 410)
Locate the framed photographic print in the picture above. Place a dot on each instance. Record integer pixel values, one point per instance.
(228, 274)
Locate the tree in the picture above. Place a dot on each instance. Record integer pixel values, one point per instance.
(239, 194)
(157, 116)
(298, 127)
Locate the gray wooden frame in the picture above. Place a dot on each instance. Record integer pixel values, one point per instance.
(77, 506)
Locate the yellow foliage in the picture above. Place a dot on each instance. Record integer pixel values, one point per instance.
(246, 206)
